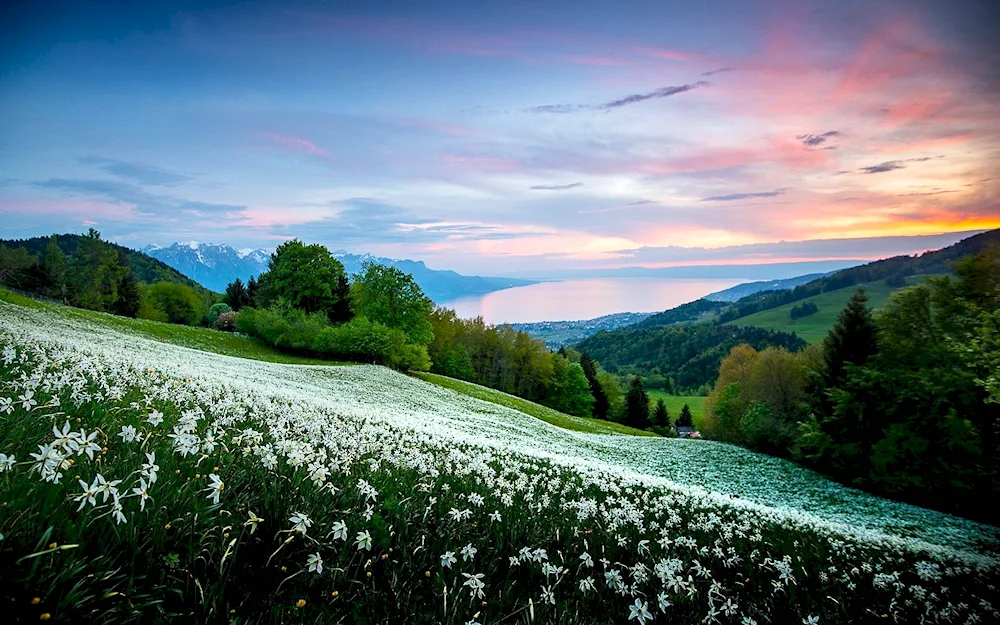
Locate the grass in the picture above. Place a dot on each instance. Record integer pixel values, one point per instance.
(549, 415)
(194, 337)
(676, 402)
(816, 326)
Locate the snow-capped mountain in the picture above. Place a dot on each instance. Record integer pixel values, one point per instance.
(215, 265)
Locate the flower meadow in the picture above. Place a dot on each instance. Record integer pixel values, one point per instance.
(145, 482)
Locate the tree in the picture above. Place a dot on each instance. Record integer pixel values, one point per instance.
(128, 290)
(236, 295)
(391, 297)
(569, 391)
(852, 341)
(341, 311)
(303, 275)
(637, 405)
(176, 302)
(54, 261)
(252, 292)
(685, 420)
(95, 274)
(601, 405)
(660, 416)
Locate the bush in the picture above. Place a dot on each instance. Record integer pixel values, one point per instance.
(803, 310)
(281, 326)
(213, 313)
(227, 321)
(174, 303)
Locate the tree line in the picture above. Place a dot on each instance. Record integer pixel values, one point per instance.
(904, 402)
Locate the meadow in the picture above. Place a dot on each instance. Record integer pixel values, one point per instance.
(143, 481)
(815, 327)
(675, 403)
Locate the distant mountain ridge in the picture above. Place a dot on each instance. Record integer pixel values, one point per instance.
(740, 291)
(216, 264)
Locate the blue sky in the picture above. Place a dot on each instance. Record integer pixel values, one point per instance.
(504, 136)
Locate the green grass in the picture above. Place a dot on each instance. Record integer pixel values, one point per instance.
(549, 415)
(815, 327)
(676, 402)
(194, 337)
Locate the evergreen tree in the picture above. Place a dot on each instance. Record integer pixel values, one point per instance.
(236, 294)
(54, 262)
(128, 291)
(685, 420)
(341, 311)
(661, 416)
(601, 403)
(852, 341)
(251, 295)
(637, 405)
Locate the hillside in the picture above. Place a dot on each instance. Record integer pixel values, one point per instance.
(740, 291)
(336, 494)
(816, 326)
(558, 334)
(147, 269)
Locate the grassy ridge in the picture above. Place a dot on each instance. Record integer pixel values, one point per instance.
(676, 402)
(549, 415)
(815, 327)
(201, 339)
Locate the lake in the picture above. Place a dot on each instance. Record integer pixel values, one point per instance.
(570, 300)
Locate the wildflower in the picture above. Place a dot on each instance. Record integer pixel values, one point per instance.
(301, 603)
(149, 468)
(339, 530)
(252, 521)
(363, 541)
(128, 433)
(548, 595)
(810, 620)
(117, 513)
(638, 610)
(155, 418)
(27, 400)
(586, 560)
(495, 516)
(106, 488)
(587, 585)
(314, 563)
(475, 584)
(141, 492)
(215, 487)
(748, 621)
(300, 522)
(86, 444)
(6, 405)
(447, 559)
(468, 552)
(6, 462)
(663, 602)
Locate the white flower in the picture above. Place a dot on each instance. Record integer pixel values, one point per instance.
(300, 522)
(27, 400)
(215, 487)
(141, 492)
(364, 541)
(6, 405)
(86, 444)
(468, 552)
(586, 560)
(548, 595)
(149, 468)
(475, 584)
(315, 563)
(447, 559)
(339, 530)
(663, 602)
(638, 610)
(495, 516)
(128, 433)
(89, 494)
(252, 521)
(106, 488)
(810, 620)
(155, 418)
(587, 585)
(116, 510)
(6, 462)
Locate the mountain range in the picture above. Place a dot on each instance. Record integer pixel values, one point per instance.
(215, 265)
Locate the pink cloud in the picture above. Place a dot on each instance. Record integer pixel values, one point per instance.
(295, 144)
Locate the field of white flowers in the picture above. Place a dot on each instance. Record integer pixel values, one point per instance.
(143, 482)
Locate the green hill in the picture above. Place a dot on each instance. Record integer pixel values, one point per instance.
(149, 482)
(816, 326)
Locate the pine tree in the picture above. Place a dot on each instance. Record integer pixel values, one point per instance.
(341, 311)
(236, 294)
(54, 261)
(601, 403)
(852, 341)
(129, 295)
(685, 420)
(253, 285)
(637, 405)
(661, 416)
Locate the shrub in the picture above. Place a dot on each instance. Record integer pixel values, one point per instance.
(213, 313)
(177, 303)
(227, 321)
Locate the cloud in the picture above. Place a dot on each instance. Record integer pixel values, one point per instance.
(719, 71)
(295, 144)
(882, 167)
(556, 187)
(136, 172)
(811, 141)
(743, 196)
(125, 193)
(662, 92)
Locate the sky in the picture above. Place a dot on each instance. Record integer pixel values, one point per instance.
(506, 137)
